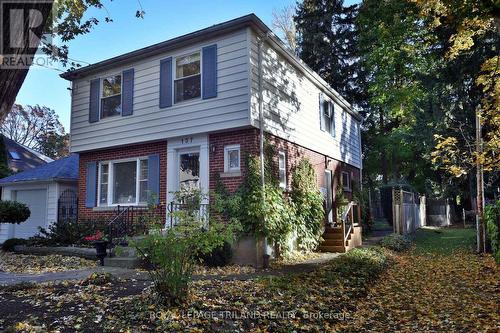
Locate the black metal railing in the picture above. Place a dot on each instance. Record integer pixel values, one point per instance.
(130, 221)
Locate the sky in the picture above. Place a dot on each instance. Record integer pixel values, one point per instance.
(164, 19)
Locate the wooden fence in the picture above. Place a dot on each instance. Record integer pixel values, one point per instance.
(408, 211)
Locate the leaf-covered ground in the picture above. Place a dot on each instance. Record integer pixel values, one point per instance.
(439, 286)
(368, 290)
(24, 263)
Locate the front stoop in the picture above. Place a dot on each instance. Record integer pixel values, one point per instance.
(333, 240)
(123, 257)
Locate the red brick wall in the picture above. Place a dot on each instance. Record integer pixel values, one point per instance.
(146, 149)
(294, 153)
(248, 139)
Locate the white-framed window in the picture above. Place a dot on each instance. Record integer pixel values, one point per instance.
(282, 168)
(123, 182)
(232, 158)
(111, 96)
(328, 117)
(346, 181)
(187, 82)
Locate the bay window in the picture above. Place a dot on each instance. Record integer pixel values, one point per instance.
(111, 98)
(123, 182)
(187, 83)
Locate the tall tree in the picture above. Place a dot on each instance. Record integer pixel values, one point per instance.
(326, 42)
(284, 25)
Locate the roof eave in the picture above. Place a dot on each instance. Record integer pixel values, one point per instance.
(174, 43)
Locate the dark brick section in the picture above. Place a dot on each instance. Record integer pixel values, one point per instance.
(139, 150)
(248, 139)
(294, 153)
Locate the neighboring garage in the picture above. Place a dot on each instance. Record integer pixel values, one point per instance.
(41, 189)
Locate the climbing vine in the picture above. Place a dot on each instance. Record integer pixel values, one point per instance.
(267, 212)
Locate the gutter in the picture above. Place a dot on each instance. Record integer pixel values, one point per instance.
(262, 40)
(31, 181)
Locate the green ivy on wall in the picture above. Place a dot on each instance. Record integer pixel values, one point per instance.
(267, 212)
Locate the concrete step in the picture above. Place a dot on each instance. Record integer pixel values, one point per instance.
(122, 262)
(325, 248)
(123, 252)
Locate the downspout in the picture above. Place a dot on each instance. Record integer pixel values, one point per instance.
(262, 39)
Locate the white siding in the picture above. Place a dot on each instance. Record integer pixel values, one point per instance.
(9, 193)
(291, 108)
(230, 109)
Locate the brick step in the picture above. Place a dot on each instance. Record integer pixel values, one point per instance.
(333, 242)
(324, 248)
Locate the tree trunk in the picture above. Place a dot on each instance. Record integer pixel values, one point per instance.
(383, 152)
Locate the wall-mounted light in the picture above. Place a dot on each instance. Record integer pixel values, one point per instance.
(327, 162)
(213, 148)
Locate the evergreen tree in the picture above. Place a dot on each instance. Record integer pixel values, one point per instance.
(326, 42)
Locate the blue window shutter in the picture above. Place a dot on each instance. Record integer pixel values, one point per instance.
(128, 92)
(94, 101)
(209, 68)
(321, 113)
(166, 83)
(154, 176)
(91, 184)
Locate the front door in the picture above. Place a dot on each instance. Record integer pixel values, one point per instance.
(189, 169)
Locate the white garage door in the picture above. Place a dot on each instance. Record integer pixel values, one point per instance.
(37, 203)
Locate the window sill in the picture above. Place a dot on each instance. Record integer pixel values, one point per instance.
(112, 208)
(230, 174)
(347, 189)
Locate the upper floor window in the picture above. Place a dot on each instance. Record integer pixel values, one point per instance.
(187, 83)
(327, 117)
(346, 181)
(111, 98)
(232, 158)
(282, 168)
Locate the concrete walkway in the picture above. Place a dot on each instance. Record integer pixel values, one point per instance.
(125, 273)
(379, 231)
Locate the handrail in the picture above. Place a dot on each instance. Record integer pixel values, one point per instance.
(345, 219)
(114, 221)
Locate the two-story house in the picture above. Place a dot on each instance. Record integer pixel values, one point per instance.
(185, 111)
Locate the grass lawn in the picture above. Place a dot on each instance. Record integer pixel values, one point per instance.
(444, 241)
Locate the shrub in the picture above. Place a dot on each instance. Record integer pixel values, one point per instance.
(220, 256)
(492, 221)
(396, 242)
(13, 212)
(171, 255)
(68, 232)
(9, 244)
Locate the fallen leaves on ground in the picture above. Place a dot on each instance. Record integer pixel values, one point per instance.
(223, 271)
(432, 291)
(368, 290)
(301, 302)
(25, 263)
